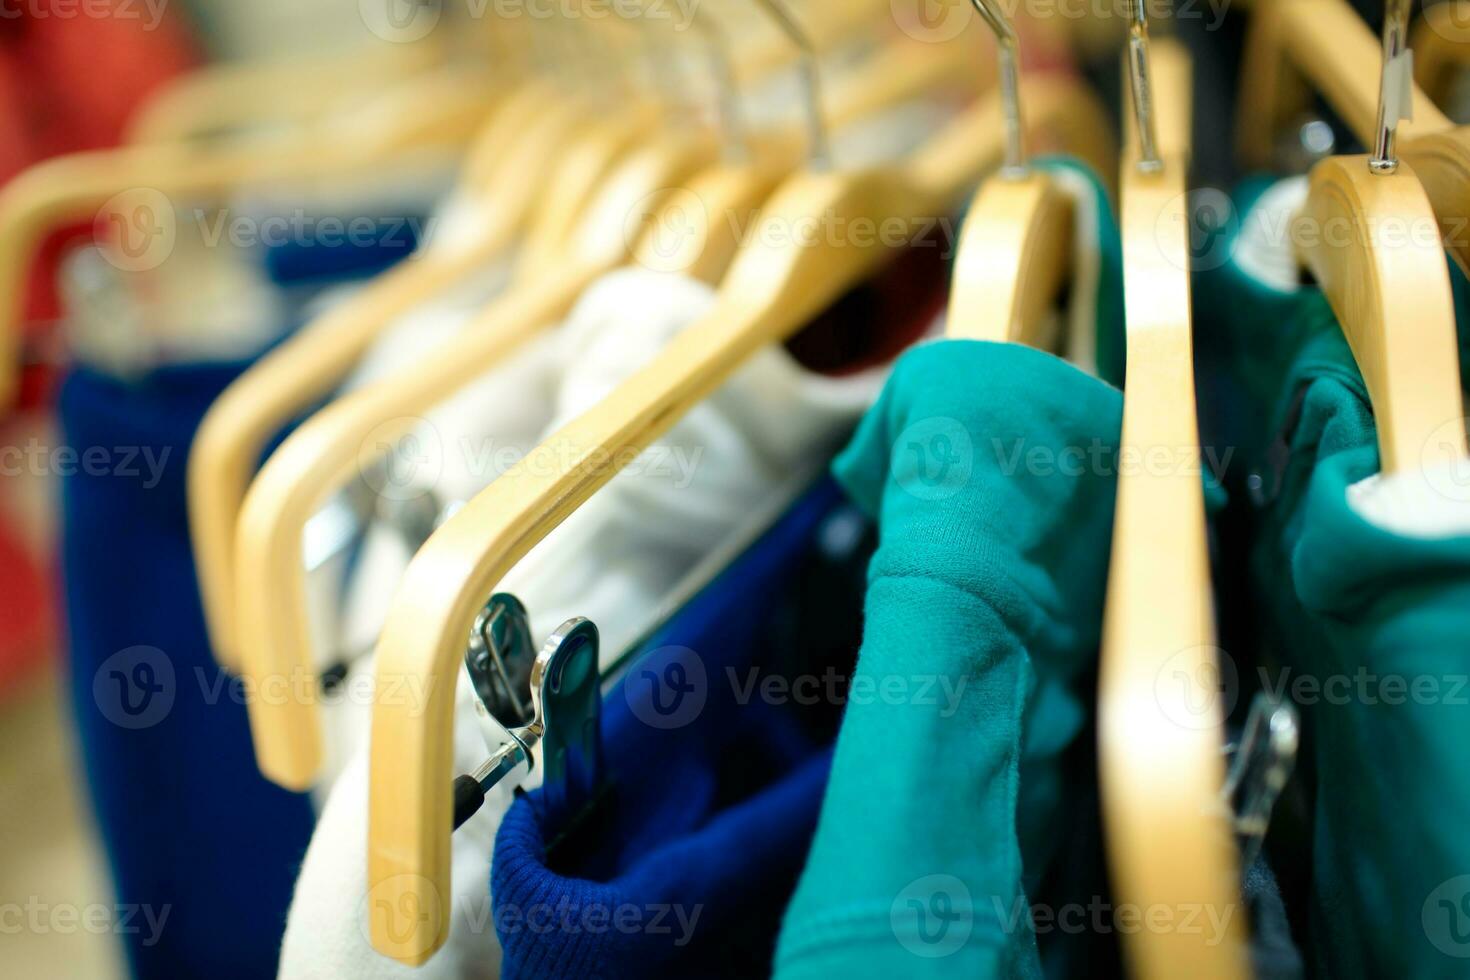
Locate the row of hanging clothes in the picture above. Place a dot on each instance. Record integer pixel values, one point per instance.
(778, 489)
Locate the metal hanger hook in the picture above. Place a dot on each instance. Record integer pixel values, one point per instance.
(1395, 86)
(990, 11)
(1140, 78)
(731, 122)
(821, 151)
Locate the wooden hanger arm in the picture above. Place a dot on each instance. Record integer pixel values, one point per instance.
(306, 367)
(72, 189)
(75, 188)
(1016, 247)
(286, 382)
(1441, 44)
(319, 459)
(1328, 43)
(323, 455)
(222, 97)
(1014, 256)
(768, 294)
(1169, 845)
(445, 586)
(1392, 297)
(1169, 841)
(1334, 49)
(1393, 300)
(727, 192)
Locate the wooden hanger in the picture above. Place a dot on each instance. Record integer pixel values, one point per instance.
(324, 454)
(1441, 44)
(1016, 246)
(773, 288)
(1328, 43)
(219, 98)
(1391, 297)
(1169, 841)
(522, 138)
(441, 112)
(305, 369)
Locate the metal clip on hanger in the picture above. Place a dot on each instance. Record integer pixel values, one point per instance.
(518, 153)
(774, 286)
(595, 180)
(819, 147)
(1160, 768)
(531, 704)
(1262, 763)
(1328, 43)
(1015, 248)
(325, 453)
(1392, 298)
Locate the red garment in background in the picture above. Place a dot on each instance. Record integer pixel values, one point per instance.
(72, 73)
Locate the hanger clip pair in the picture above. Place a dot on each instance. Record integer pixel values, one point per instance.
(525, 699)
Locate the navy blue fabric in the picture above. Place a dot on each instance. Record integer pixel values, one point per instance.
(191, 830)
(685, 866)
(347, 248)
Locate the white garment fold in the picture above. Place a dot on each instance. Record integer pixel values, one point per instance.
(614, 560)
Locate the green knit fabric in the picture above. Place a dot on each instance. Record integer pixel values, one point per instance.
(1336, 615)
(1369, 632)
(990, 470)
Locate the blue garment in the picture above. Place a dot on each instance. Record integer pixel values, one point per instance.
(333, 249)
(685, 866)
(191, 829)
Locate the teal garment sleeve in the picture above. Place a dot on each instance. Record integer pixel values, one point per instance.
(1367, 633)
(990, 470)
